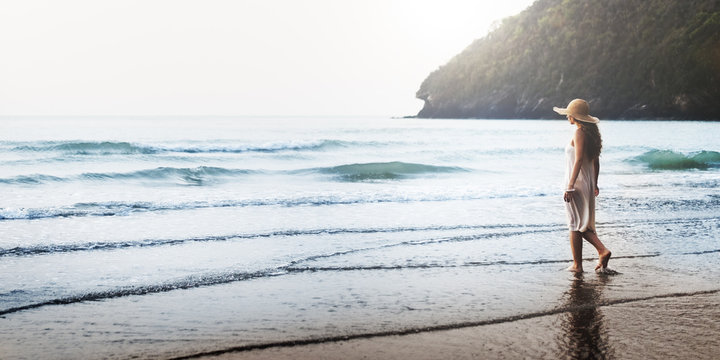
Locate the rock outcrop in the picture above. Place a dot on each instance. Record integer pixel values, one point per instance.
(631, 59)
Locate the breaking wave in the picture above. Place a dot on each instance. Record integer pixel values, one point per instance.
(87, 148)
(384, 170)
(189, 176)
(127, 148)
(671, 160)
(203, 175)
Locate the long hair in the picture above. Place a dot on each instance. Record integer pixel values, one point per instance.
(593, 140)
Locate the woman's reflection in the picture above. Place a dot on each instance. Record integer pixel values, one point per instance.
(583, 334)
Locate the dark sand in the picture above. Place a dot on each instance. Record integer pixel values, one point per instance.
(676, 327)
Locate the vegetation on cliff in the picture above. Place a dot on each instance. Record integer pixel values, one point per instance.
(631, 59)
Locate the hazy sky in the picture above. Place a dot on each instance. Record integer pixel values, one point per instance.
(241, 57)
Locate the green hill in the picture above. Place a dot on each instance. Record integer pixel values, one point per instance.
(631, 59)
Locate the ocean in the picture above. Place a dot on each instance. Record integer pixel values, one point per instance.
(161, 237)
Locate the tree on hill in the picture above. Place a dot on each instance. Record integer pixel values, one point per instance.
(628, 58)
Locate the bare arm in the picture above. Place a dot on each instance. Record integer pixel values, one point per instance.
(579, 141)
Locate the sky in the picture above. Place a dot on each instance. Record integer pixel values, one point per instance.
(231, 57)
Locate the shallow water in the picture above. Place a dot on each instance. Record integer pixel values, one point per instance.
(159, 237)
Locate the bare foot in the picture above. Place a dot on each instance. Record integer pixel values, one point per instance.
(573, 268)
(604, 259)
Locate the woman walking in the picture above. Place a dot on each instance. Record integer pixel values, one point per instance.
(581, 176)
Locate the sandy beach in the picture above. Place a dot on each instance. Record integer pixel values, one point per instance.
(672, 327)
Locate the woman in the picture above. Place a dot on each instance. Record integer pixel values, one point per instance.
(581, 178)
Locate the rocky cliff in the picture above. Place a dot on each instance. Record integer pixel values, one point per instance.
(631, 59)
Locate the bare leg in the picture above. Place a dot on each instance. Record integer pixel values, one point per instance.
(603, 252)
(576, 247)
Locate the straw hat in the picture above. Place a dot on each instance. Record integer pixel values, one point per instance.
(579, 110)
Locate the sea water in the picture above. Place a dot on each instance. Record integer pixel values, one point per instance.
(172, 236)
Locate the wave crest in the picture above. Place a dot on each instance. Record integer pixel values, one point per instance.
(190, 176)
(671, 160)
(384, 170)
(207, 175)
(88, 148)
(200, 175)
(126, 148)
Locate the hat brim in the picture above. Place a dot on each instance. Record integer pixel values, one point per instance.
(560, 111)
(583, 118)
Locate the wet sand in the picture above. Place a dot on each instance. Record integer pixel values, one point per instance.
(671, 326)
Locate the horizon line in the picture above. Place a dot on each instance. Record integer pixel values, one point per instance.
(198, 115)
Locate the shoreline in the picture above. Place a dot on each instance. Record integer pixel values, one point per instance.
(342, 346)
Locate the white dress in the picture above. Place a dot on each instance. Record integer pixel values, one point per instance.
(581, 208)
